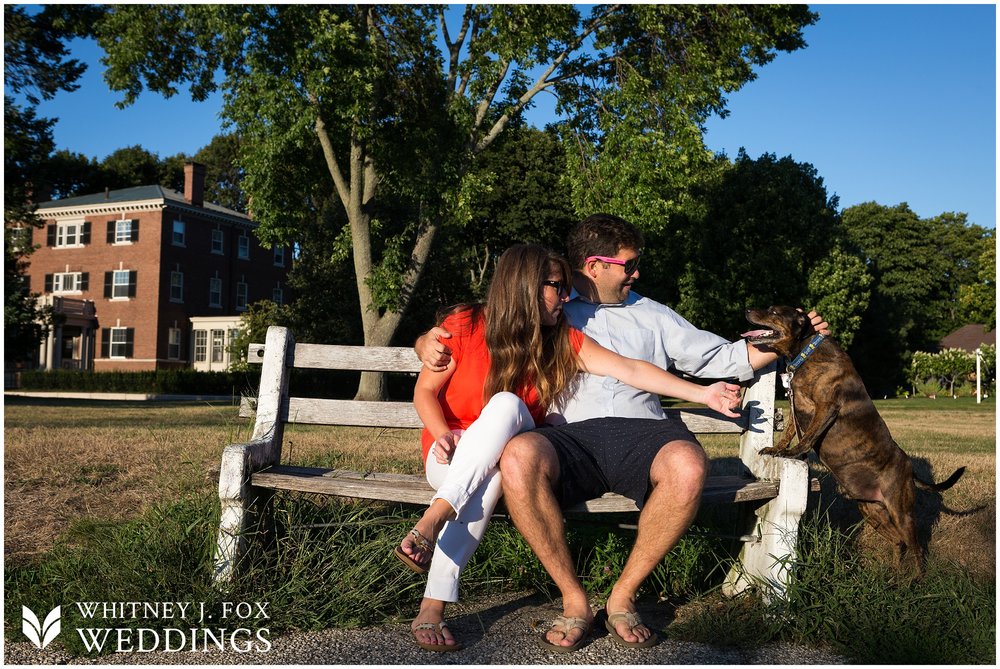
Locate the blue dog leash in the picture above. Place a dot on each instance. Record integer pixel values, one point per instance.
(786, 378)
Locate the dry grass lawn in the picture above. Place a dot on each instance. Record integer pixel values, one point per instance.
(66, 460)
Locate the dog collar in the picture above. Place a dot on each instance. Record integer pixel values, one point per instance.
(806, 352)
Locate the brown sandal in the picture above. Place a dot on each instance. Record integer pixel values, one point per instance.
(632, 620)
(565, 626)
(421, 542)
(435, 647)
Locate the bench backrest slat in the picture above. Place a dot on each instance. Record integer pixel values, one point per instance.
(354, 358)
(312, 411)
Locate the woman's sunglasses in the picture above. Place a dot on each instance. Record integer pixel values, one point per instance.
(560, 287)
(630, 265)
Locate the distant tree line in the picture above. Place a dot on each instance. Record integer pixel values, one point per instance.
(432, 215)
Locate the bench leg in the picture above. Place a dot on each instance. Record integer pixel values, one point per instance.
(767, 563)
(244, 508)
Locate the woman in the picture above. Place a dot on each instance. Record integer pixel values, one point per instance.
(512, 359)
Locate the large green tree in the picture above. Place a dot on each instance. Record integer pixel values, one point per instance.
(394, 104)
(918, 267)
(749, 235)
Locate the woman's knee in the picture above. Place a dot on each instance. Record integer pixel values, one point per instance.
(505, 404)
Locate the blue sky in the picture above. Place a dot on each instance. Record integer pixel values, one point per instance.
(890, 103)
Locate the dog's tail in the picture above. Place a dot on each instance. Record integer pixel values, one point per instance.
(944, 485)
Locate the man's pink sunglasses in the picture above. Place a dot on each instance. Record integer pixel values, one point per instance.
(630, 265)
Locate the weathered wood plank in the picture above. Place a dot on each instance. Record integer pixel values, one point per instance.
(414, 489)
(356, 358)
(314, 411)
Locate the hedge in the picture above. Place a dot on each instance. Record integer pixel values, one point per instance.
(159, 382)
(304, 383)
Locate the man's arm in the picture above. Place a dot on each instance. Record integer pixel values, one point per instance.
(433, 352)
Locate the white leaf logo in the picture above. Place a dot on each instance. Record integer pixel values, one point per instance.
(40, 635)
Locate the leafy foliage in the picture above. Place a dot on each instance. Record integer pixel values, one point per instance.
(35, 66)
(839, 287)
(749, 237)
(918, 267)
(950, 369)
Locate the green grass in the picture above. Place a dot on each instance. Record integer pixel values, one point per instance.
(330, 563)
(860, 608)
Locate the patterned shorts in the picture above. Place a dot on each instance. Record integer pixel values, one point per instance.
(609, 455)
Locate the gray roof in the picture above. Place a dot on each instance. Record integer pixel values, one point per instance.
(969, 338)
(134, 194)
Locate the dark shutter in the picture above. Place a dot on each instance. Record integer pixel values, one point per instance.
(109, 278)
(111, 232)
(135, 231)
(131, 282)
(129, 341)
(105, 342)
(86, 233)
(84, 280)
(48, 282)
(51, 235)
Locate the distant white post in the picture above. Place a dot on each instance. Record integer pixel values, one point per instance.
(979, 376)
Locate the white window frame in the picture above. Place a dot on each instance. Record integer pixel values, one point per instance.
(242, 291)
(174, 344)
(118, 287)
(123, 231)
(179, 234)
(218, 241)
(215, 292)
(279, 256)
(200, 345)
(218, 346)
(68, 230)
(177, 286)
(243, 247)
(277, 295)
(67, 282)
(121, 345)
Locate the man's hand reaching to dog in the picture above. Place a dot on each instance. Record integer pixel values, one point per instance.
(819, 325)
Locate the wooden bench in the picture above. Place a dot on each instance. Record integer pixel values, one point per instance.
(774, 489)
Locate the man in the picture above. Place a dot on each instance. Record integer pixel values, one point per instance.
(613, 437)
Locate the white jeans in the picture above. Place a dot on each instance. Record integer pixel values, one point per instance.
(471, 484)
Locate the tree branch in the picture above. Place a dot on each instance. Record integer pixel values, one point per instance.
(543, 81)
(343, 189)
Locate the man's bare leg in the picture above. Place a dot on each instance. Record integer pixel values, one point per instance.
(529, 470)
(677, 477)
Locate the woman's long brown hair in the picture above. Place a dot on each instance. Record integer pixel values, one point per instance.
(523, 352)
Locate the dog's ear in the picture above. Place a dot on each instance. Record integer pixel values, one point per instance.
(802, 326)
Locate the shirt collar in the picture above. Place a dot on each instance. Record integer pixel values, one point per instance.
(632, 298)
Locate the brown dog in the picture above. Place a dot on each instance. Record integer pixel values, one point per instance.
(833, 414)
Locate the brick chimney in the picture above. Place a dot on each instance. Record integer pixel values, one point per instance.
(194, 183)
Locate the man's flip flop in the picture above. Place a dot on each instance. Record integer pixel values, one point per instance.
(633, 621)
(421, 542)
(565, 625)
(435, 647)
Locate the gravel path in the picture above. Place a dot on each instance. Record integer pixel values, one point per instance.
(500, 631)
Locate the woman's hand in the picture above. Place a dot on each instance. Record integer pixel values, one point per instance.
(444, 447)
(723, 397)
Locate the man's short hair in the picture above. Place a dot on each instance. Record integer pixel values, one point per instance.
(601, 235)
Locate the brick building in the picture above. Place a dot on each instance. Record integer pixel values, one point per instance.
(128, 269)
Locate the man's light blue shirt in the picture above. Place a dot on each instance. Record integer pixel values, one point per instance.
(646, 330)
